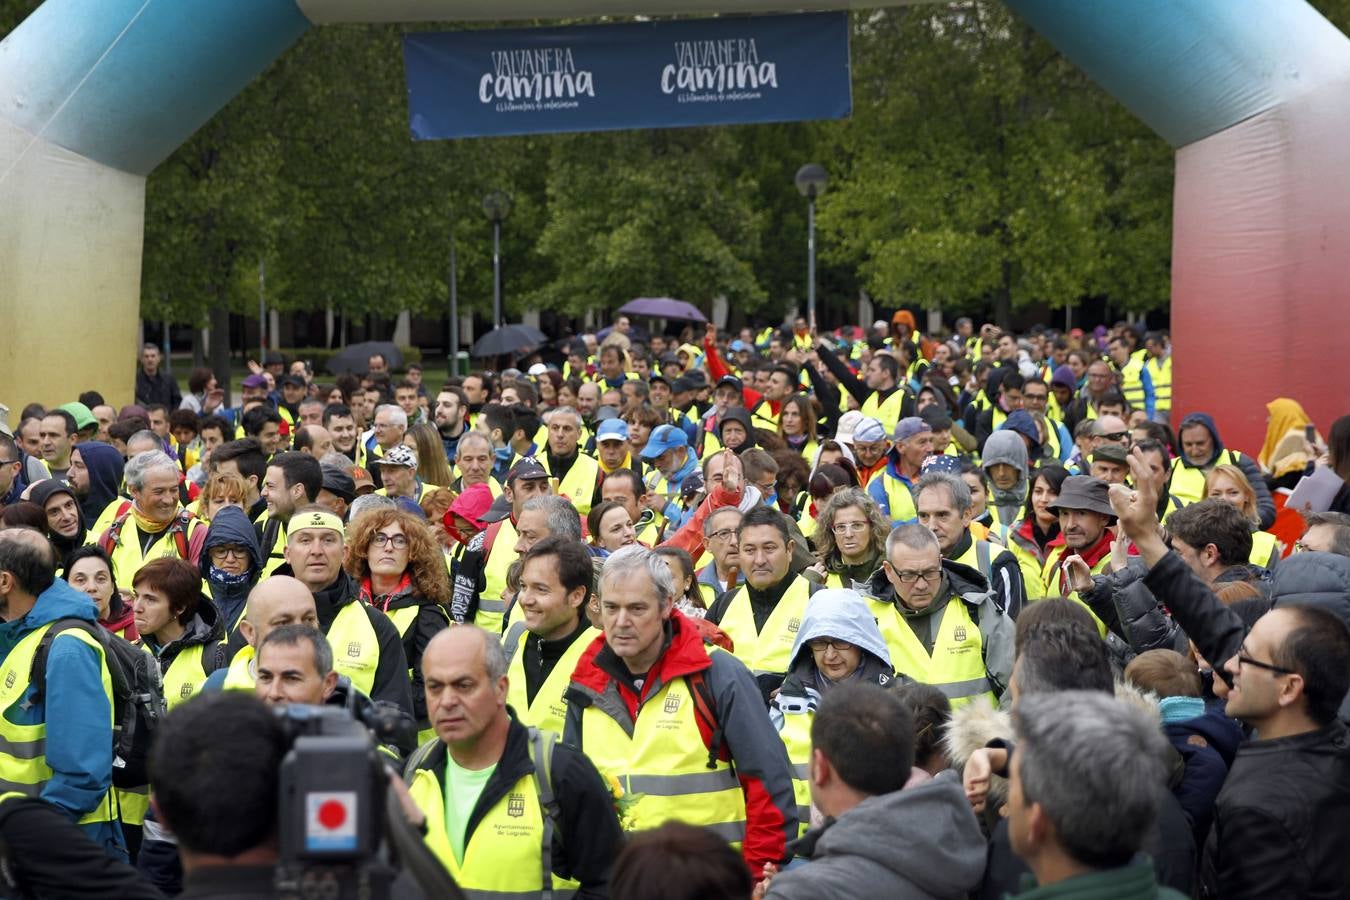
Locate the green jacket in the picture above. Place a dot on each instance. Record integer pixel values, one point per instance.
(1133, 882)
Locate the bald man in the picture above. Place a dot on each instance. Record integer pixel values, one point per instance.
(275, 601)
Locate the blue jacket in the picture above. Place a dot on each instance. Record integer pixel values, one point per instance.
(79, 739)
(674, 513)
(877, 489)
(231, 526)
(1207, 740)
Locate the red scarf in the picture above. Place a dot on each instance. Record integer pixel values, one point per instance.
(382, 603)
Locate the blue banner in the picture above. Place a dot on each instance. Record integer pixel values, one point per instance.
(641, 75)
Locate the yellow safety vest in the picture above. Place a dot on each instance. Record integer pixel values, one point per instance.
(980, 557)
(276, 554)
(548, 712)
(663, 765)
(1187, 484)
(764, 417)
(796, 735)
(1050, 577)
(1161, 373)
(1028, 558)
(491, 606)
(956, 665)
(1132, 384)
(886, 412)
(898, 498)
(185, 676)
(356, 647)
(1265, 550)
(578, 485)
(239, 677)
(23, 748)
(768, 651)
(510, 853)
(126, 551)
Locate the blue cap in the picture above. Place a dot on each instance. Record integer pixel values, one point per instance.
(738, 346)
(666, 437)
(612, 430)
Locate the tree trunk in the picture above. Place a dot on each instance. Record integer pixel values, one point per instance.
(220, 347)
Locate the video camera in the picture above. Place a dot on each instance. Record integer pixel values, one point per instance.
(343, 832)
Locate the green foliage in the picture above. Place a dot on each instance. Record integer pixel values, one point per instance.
(318, 357)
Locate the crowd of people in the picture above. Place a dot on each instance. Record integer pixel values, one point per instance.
(770, 615)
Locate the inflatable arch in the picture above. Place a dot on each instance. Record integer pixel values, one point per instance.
(1251, 93)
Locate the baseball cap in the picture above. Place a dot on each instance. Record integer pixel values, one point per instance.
(254, 381)
(936, 416)
(657, 376)
(684, 383)
(526, 467)
(499, 510)
(1111, 453)
(738, 346)
(339, 483)
(907, 427)
(81, 414)
(612, 430)
(538, 369)
(397, 455)
(732, 381)
(848, 423)
(869, 430)
(295, 380)
(665, 437)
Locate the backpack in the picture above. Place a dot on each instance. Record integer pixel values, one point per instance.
(705, 708)
(177, 530)
(138, 696)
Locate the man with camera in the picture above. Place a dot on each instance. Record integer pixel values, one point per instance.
(515, 795)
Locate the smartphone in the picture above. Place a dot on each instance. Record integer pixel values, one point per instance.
(1310, 434)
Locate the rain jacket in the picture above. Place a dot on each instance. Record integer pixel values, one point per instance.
(105, 466)
(1007, 447)
(205, 629)
(231, 526)
(914, 844)
(42, 492)
(79, 734)
(1265, 505)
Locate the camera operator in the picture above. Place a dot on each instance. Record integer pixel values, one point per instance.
(514, 792)
(215, 767)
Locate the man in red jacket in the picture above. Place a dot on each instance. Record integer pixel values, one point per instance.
(677, 728)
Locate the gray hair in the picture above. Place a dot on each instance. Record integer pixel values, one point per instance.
(960, 491)
(396, 414)
(721, 510)
(469, 436)
(143, 464)
(335, 460)
(564, 411)
(914, 536)
(637, 558)
(366, 503)
(1095, 765)
(562, 517)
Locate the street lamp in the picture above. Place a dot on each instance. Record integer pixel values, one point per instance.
(497, 205)
(811, 180)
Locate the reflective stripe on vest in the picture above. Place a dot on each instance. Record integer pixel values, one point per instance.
(1053, 579)
(1132, 384)
(886, 412)
(239, 677)
(491, 606)
(796, 735)
(356, 647)
(663, 765)
(956, 665)
(980, 557)
(1187, 484)
(769, 650)
(510, 853)
(549, 709)
(184, 676)
(1161, 373)
(133, 804)
(23, 748)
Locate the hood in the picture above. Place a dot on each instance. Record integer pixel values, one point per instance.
(742, 415)
(42, 492)
(943, 845)
(843, 614)
(815, 457)
(1314, 579)
(1007, 447)
(231, 526)
(204, 628)
(105, 466)
(60, 601)
(1206, 420)
(1063, 375)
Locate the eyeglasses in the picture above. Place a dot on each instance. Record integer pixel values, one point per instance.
(1300, 547)
(1116, 436)
(929, 575)
(5, 462)
(848, 527)
(220, 554)
(820, 645)
(723, 534)
(398, 541)
(1244, 659)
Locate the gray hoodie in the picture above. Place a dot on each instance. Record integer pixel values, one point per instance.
(921, 843)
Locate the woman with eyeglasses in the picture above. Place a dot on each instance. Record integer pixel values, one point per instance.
(838, 643)
(398, 564)
(850, 539)
(1229, 484)
(231, 562)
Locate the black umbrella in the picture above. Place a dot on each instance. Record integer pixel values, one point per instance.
(356, 357)
(509, 339)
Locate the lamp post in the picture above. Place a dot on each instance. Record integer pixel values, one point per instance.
(497, 205)
(811, 180)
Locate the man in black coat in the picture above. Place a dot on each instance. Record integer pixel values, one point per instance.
(154, 386)
(1280, 818)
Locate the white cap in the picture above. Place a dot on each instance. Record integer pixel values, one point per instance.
(843, 432)
(538, 369)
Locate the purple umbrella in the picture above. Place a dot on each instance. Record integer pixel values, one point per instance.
(663, 308)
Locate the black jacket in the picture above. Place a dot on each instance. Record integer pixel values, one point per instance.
(157, 388)
(48, 855)
(432, 619)
(587, 838)
(1131, 612)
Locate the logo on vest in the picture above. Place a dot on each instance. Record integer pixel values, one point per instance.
(354, 649)
(186, 690)
(793, 625)
(515, 805)
(672, 705)
(9, 679)
(959, 632)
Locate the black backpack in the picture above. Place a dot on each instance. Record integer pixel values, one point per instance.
(138, 696)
